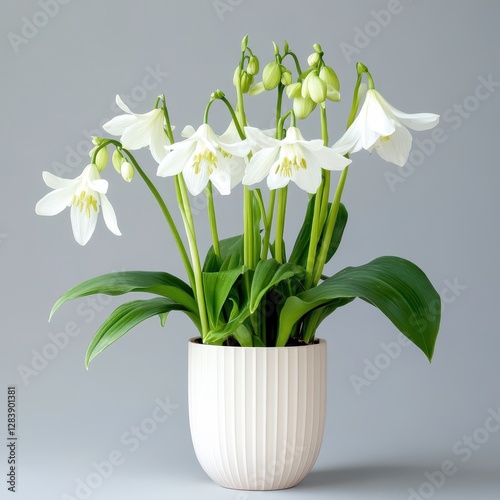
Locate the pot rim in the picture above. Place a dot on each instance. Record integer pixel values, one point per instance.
(317, 342)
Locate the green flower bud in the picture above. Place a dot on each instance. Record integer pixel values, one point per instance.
(244, 43)
(332, 94)
(317, 48)
(329, 77)
(258, 88)
(317, 88)
(97, 141)
(361, 68)
(294, 90)
(236, 76)
(271, 75)
(286, 48)
(128, 171)
(217, 94)
(253, 65)
(101, 160)
(303, 107)
(246, 81)
(117, 160)
(276, 49)
(313, 59)
(286, 77)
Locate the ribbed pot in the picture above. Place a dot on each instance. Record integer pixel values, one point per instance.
(257, 414)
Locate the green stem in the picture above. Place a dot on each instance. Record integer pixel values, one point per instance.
(168, 131)
(280, 224)
(163, 207)
(268, 224)
(195, 256)
(212, 219)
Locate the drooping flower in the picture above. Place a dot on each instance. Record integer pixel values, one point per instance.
(140, 130)
(383, 127)
(204, 156)
(84, 195)
(291, 159)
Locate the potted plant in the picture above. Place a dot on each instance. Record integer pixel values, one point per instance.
(257, 371)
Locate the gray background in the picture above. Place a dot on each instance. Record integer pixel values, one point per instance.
(380, 440)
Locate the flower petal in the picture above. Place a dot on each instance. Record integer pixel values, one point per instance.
(258, 138)
(240, 148)
(188, 131)
(55, 202)
(308, 179)
(99, 185)
(221, 177)
(122, 105)
(195, 182)
(176, 160)
(118, 124)
(109, 215)
(83, 225)
(55, 182)
(329, 159)
(158, 140)
(260, 165)
(275, 180)
(395, 148)
(416, 121)
(237, 168)
(138, 135)
(378, 119)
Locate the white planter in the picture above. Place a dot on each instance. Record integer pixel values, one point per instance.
(257, 414)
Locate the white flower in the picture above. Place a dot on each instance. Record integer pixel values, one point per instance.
(383, 127)
(203, 156)
(84, 195)
(140, 130)
(291, 159)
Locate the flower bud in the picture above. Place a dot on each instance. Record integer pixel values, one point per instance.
(117, 160)
(294, 90)
(236, 76)
(286, 47)
(246, 81)
(276, 49)
(244, 43)
(316, 87)
(329, 77)
(286, 77)
(128, 171)
(361, 68)
(101, 159)
(97, 141)
(317, 48)
(332, 94)
(303, 107)
(313, 59)
(217, 94)
(271, 75)
(253, 66)
(258, 88)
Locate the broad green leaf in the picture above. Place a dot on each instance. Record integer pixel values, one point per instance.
(301, 247)
(269, 273)
(396, 286)
(243, 336)
(119, 283)
(124, 318)
(217, 287)
(231, 254)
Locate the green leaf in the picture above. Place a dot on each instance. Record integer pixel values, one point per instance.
(269, 273)
(301, 247)
(124, 318)
(396, 286)
(231, 255)
(119, 283)
(217, 287)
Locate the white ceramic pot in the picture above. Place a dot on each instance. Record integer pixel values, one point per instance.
(257, 414)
